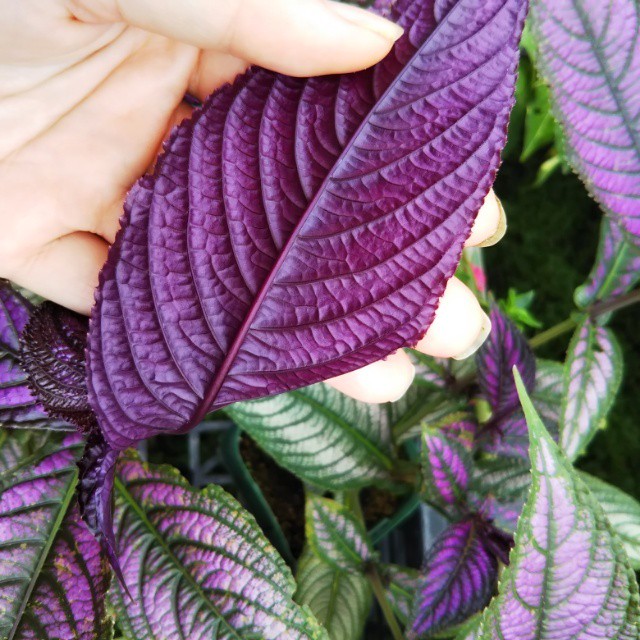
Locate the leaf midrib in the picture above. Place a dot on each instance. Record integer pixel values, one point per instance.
(352, 431)
(138, 510)
(609, 78)
(44, 554)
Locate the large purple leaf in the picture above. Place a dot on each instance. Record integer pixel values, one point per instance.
(590, 53)
(592, 376)
(197, 565)
(458, 579)
(287, 237)
(53, 577)
(505, 348)
(617, 267)
(569, 576)
(18, 405)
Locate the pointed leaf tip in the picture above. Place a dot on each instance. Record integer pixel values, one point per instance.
(569, 576)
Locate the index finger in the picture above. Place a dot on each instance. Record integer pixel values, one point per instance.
(297, 37)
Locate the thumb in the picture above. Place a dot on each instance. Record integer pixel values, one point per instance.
(297, 37)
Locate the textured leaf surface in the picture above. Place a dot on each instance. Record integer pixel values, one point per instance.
(593, 373)
(297, 229)
(321, 435)
(617, 267)
(53, 346)
(622, 511)
(53, 578)
(569, 576)
(197, 565)
(446, 471)
(458, 579)
(590, 53)
(340, 601)
(335, 535)
(505, 348)
(18, 405)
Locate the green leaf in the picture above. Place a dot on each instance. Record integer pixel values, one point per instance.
(622, 511)
(336, 536)
(339, 600)
(197, 565)
(569, 576)
(592, 377)
(471, 630)
(321, 435)
(539, 126)
(402, 584)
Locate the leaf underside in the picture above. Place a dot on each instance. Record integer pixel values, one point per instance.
(297, 229)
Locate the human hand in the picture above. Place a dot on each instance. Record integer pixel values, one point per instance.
(90, 88)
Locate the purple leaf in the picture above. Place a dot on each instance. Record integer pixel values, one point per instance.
(569, 576)
(95, 485)
(505, 348)
(273, 249)
(53, 347)
(589, 52)
(617, 267)
(508, 436)
(446, 469)
(592, 376)
(54, 578)
(458, 579)
(197, 565)
(18, 405)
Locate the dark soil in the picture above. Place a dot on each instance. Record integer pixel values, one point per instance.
(281, 489)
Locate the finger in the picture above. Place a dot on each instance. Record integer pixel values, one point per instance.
(298, 37)
(460, 326)
(112, 136)
(383, 381)
(66, 270)
(213, 70)
(490, 225)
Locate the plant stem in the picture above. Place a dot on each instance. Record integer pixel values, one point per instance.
(372, 574)
(381, 596)
(552, 333)
(596, 310)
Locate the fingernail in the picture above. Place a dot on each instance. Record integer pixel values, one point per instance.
(500, 231)
(367, 20)
(485, 330)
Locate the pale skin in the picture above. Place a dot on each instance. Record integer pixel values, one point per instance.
(90, 88)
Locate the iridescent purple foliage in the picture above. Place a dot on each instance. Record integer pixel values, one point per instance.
(53, 578)
(459, 576)
(507, 347)
(589, 52)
